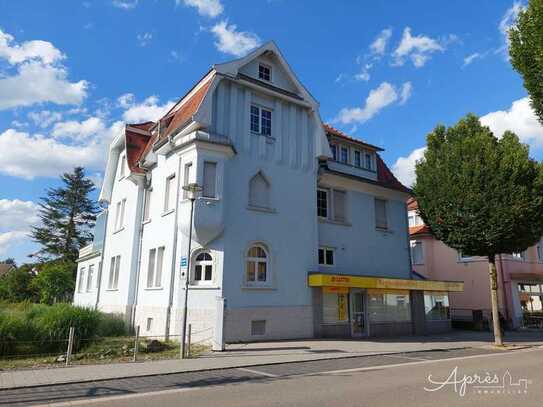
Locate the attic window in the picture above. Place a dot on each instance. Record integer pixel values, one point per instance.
(264, 72)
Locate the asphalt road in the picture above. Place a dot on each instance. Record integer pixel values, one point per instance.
(392, 380)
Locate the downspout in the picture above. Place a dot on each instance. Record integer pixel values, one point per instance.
(99, 286)
(174, 252)
(505, 300)
(138, 268)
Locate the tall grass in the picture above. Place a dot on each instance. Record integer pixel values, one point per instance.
(27, 328)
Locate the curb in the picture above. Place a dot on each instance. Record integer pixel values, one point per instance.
(226, 368)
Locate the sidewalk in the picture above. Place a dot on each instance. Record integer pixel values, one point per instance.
(253, 354)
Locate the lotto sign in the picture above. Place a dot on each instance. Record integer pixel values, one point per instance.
(183, 262)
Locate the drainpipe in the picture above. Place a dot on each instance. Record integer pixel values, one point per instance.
(174, 253)
(99, 285)
(505, 300)
(138, 268)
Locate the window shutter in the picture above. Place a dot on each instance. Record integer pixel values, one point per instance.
(210, 179)
(380, 214)
(339, 206)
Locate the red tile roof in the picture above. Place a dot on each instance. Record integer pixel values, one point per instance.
(419, 230)
(136, 144)
(335, 132)
(387, 178)
(412, 204)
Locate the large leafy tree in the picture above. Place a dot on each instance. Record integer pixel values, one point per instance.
(480, 195)
(67, 215)
(526, 51)
(54, 282)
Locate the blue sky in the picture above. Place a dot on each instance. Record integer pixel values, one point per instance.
(71, 72)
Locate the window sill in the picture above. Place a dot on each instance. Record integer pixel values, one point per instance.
(383, 230)
(153, 288)
(267, 136)
(334, 222)
(112, 289)
(261, 209)
(204, 287)
(118, 230)
(327, 265)
(258, 288)
(168, 212)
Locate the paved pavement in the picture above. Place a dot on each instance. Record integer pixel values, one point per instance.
(247, 355)
(394, 379)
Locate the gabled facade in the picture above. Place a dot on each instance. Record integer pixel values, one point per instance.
(520, 277)
(278, 215)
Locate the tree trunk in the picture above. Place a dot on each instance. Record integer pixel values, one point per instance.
(494, 300)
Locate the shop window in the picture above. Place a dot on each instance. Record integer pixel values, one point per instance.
(389, 305)
(334, 308)
(436, 306)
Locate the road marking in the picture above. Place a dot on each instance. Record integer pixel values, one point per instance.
(256, 372)
(107, 399)
(404, 357)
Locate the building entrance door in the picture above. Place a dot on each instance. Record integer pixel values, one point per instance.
(358, 313)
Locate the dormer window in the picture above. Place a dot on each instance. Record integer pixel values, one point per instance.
(264, 72)
(333, 147)
(344, 158)
(368, 160)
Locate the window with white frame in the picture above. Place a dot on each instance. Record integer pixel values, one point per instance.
(333, 148)
(81, 279)
(326, 256)
(114, 266)
(257, 270)
(344, 155)
(368, 160)
(154, 267)
(259, 191)
(119, 214)
(264, 72)
(381, 221)
(414, 219)
(169, 194)
(210, 180)
(147, 204)
(357, 159)
(261, 120)
(90, 276)
(187, 177)
(202, 268)
(417, 253)
(322, 203)
(122, 166)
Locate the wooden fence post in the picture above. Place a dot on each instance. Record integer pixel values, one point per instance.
(70, 345)
(136, 342)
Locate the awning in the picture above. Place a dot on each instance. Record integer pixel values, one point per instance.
(336, 280)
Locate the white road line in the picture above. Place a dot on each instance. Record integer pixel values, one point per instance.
(404, 357)
(256, 372)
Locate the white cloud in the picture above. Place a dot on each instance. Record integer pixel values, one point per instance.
(30, 50)
(125, 4)
(11, 238)
(17, 214)
(379, 98)
(364, 74)
(404, 167)
(405, 92)
(79, 130)
(520, 119)
(35, 155)
(44, 118)
(144, 39)
(418, 49)
(378, 46)
(148, 110)
(470, 58)
(126, 100)
(38, 75)
(206, 8)
(233, 42)
(507, 21)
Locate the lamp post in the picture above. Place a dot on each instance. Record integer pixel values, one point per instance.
(192, 194)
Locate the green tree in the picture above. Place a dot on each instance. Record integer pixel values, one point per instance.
(480, 195)
(16, 286)
(10, 261)
(526, 51)
(67, 216)
(54, 282)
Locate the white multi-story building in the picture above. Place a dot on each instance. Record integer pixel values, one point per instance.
(300, 230)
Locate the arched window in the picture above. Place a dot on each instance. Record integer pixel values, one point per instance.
(259, 191)
(257, 266)
(203, 268)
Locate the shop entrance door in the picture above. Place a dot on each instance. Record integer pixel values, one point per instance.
(358, 313)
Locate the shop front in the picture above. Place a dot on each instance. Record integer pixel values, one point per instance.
(357, 307)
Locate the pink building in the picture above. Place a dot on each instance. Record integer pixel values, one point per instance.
(520, 276)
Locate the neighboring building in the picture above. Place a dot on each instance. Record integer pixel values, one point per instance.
(300, 231)
(520, 276)
(5, 268)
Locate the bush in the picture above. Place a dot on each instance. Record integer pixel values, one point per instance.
(112, 325)
(55, 282)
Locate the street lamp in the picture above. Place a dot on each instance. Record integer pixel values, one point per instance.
(192, 193)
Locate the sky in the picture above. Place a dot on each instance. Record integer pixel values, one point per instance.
(73, 72)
